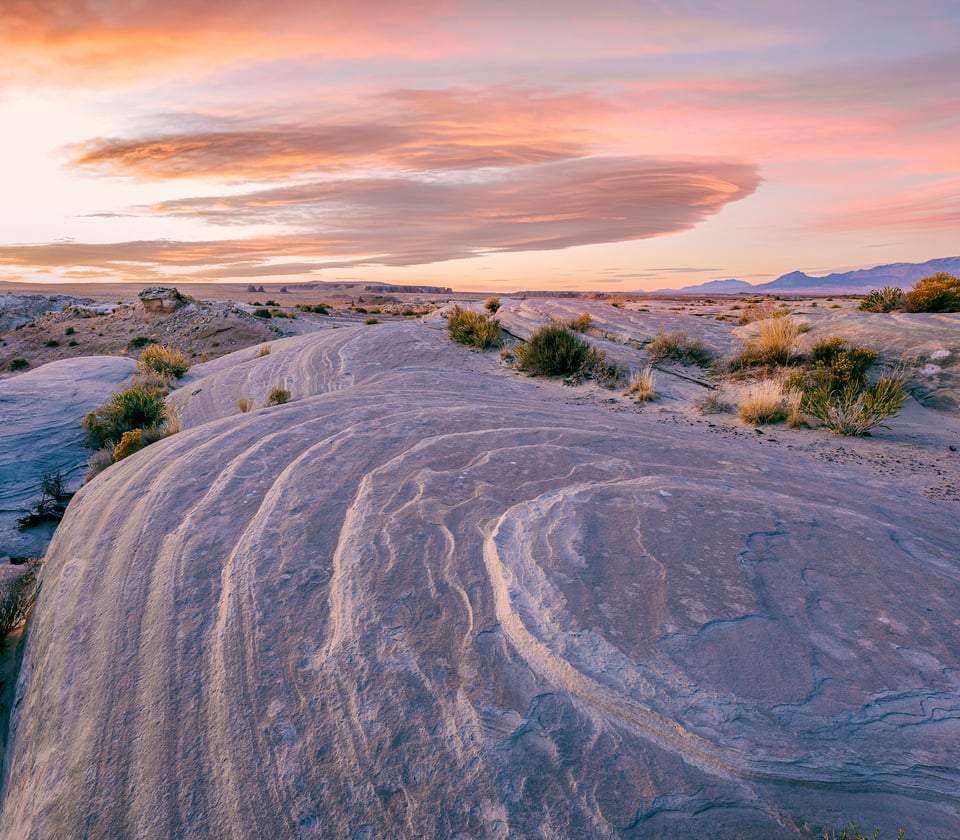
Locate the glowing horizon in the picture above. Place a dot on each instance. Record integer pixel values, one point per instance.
(485, 147)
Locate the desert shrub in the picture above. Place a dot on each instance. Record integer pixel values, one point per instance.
(163, 360)
(69, 331)
(854, 409)
(837, 364)
(474, 329)
(581, 323)
(677, 346)
(51, 504)
(643, 385)
(882, 300)
(554, 350)
(773, 346)
(318, 308)
(18, 589)
(244, 404)
(373, 319)
(854, 834)
(52, 343)
(262, 313)
(130, 442)
(18, 364)
(135, 408)
(938, 293)
(764, 402)
(492, 304)
(140, 342)
(278, 396)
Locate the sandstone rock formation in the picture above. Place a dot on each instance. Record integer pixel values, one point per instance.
(428, 597)
(164, 299)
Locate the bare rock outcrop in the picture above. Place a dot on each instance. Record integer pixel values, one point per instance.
(40, 434)
(430, 598)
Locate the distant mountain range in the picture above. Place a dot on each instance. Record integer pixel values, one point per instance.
(861, 281)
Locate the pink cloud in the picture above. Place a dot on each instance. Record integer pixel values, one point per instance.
(405, 221)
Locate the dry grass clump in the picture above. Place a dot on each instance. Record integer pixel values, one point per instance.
(263, 351)
(474, 329)
(764, 402)
(713, 402)
(492, 304)
(18, 589)
(774, 345)
(244, 404)
(886, 299)
(761, 310)
(938, 293)
(581, 323)
(278, 396)
(643, 385)
(678, 346)
(163, 360)
(373, 319)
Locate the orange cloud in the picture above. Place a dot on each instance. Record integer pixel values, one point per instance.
(70, 41)
(453, 129)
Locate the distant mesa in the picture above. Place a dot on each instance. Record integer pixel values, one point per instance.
(847, 282)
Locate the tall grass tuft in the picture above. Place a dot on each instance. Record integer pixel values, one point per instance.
(886, 299)
(643, 385)
(474, 329)
(163, 360)
(764, 402)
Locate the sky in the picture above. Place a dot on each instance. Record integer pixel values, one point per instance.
(614, 145)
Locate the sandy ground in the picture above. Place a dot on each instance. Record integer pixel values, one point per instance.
(430, 596)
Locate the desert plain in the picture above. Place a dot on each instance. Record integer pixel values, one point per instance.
(431, 596)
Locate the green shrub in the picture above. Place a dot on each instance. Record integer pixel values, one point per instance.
(838, 365)
(69, 331)
(373, 319)
(163, 360)
(317, 308)
(883, 300)
(474, 329)
(18, 364)
(140, 342)
(135, 408)
(555, 350)
(492, 304)
(278, 396)
(678, 346)
(52, 343)
(853, 408)
(938, 293)
(262, 313)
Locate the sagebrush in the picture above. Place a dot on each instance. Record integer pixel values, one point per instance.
(474, 329)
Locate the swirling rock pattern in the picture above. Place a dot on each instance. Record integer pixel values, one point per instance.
(430, 598)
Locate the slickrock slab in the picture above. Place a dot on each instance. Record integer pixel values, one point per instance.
(40, 414)
(426, 598)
